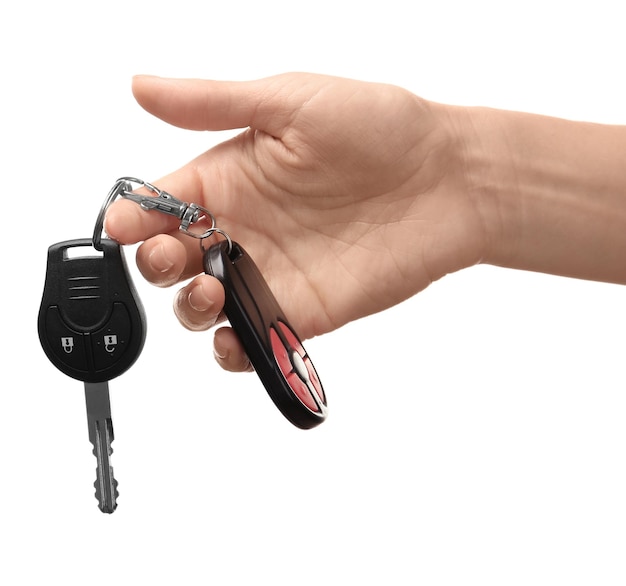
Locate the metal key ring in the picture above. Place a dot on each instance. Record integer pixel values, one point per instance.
(216, 231)
(121, 185)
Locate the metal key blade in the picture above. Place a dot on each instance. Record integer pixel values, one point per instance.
(101, 436)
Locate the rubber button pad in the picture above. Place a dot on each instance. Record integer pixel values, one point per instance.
(309, 391)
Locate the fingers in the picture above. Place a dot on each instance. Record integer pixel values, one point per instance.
(165, 260)
(229, 352)
(198, 306)
(266, 104)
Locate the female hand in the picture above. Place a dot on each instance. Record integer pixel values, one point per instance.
(350, 197)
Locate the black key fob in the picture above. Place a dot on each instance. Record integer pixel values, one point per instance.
(91, 322)
(271, 344)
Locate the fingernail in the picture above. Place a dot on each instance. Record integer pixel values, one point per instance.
(219, 354)
(198, 300)
(159, 260)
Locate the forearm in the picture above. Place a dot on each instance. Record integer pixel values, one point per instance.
(553, 193)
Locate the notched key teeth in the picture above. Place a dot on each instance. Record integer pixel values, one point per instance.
(107, 505)
(105, 484)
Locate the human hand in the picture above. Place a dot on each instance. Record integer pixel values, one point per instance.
(349, 196)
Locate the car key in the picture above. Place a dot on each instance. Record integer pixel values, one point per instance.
(92, 327)
(274, 349)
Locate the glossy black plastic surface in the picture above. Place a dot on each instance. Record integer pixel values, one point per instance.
(267, 336)
(91, 323)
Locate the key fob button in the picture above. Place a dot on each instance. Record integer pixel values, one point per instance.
(286, 368)
(110, 342)
(296, 367)
(67, 344)
(295, 343)
(315, 381)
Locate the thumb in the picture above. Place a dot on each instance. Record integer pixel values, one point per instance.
(266, 104)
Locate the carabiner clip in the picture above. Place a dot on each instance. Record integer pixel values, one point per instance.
(162, 201)
(187, 213)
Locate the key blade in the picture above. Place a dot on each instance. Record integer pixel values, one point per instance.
(105, 484)
(101, 436)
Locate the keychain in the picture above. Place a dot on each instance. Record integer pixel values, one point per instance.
(92, 327)
(272, 345)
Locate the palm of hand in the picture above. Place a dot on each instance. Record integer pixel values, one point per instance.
(341, 192)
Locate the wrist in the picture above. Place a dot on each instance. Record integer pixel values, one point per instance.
(550, 192)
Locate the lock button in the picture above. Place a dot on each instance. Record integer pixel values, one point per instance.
(68, 344)
(110, 342)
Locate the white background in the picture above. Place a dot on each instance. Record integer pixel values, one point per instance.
(477, 432)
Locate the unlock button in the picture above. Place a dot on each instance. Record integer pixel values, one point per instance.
(67, 345)
(110, 342)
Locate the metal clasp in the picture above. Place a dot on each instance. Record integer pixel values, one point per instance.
(162, 201)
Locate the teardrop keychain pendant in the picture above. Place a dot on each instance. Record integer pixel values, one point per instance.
(272, 345)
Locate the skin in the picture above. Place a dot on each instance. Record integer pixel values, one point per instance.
(353, 196)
